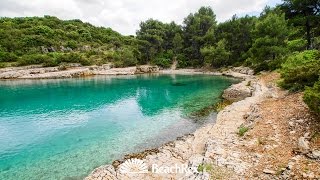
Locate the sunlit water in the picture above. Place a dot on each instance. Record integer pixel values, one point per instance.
(63, 129)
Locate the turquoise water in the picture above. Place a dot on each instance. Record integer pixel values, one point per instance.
(63, 129)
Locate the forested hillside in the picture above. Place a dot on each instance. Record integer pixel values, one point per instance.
(49, 40)
(261, 42)
(286, 37)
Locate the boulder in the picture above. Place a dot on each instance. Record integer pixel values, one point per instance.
(303, 144)
(62, 49)
(51, 49)
(44, 50)
(85, 48)
(316, 154)
(238, 92)
(69, 49)
(147, 69)
(268, 171)
(243, 70)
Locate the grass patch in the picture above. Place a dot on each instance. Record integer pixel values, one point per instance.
(205, 168)
(7, 64)
(280, 169)
(242, 130)
(206, 111)
(221, 105)
(261, 141)
(216, 172)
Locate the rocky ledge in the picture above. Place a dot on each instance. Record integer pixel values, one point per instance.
(238, 92)
(71, 70)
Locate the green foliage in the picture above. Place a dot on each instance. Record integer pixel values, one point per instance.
(71, 58)
(124, 58)
(151, 31)
(242, 130)
(216, 56)
(50, 61)
(33, 59)
(297, 45)
(300, 69)
(53, 59)
(162, 62)
(22, 38)
(164, 59)
(260, 42)
(221, 105)
(157, 40)
(177, 43)
(7, 57)
(317, 42)
(43, 30)
(196, 27)
(303, 14)
(238, 35)
(205, 168)
(270, 33)
(72, 44)
(182, 61)
(2, 65)
(312, 97)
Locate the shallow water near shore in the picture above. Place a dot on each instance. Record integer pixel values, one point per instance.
(64, 128)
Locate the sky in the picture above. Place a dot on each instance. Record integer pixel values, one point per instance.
(125, 16)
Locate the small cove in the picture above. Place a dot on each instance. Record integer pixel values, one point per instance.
(64, 128)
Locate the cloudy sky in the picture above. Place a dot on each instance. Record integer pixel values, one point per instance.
(124, 16)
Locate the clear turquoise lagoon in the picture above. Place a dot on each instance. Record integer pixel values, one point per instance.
(63, 129)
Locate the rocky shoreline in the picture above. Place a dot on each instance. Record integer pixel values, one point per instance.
(76, 70)
(267, 134)
(71, 71)
(208, 145)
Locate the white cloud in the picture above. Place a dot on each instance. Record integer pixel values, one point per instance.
(125, 15)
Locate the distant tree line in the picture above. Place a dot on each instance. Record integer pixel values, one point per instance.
(285, 37)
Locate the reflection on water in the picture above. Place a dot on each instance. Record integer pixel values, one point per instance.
(53, 129)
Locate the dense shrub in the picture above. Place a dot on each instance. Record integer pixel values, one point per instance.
(276, 64)
(123, 58)
(72, 44)
(68, 58)
(21, 37)
(269, 65)
(312, 97)
(50, 61)
(85, 62)
(182, 61)
(53, 59)
(297, 45)
(32, 59)
(7, 57)
(269, 45)
(216, 56)
(256, 65)
(300, 70)
(162, 62)
(72, 58)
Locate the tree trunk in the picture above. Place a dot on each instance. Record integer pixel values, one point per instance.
(308, 29)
